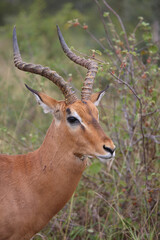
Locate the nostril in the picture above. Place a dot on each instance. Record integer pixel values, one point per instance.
(108, 149)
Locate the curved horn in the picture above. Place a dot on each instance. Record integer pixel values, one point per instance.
(46, 72)
(91, 65)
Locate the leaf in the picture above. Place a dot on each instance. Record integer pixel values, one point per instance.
(124, 51)
(145, 24)
(140, 18)
(95, 168)
(147, 36)
(105, 14)
(98, 52)
(150, 177)
(104, 118)
(154, 68)
(122, 33)
(133, 53)
(90, 230)
(153, 49)
(72, 48)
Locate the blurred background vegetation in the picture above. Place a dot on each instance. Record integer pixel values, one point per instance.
(119, 200)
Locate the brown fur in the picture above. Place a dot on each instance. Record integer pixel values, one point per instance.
(35, 186)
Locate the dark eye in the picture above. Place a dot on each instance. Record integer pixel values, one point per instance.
(72, 120)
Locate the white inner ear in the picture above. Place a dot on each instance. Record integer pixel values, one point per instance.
(96, 103)
(45, 107)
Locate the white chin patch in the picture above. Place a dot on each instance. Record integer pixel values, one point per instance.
(105, 159)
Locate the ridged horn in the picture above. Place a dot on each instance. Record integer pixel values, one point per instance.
(46, 72)
(91, 65)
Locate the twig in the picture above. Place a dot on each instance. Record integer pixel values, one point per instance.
(125, 83)
(120, 21)
(104, 24)
(125, 35)
(150, 113)
(69, 218)
(141, 111)
(116, 132)
(141, 127)
(40, 235)
(85, 55)
(134, 31)
(152, 137)
(94, 38)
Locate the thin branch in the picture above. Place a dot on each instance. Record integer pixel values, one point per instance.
(120, 21)
(138, 24)
(141, 116)
(150, 113)
(125, 83)
(125, 35)
(94, 38)
(104, 24)
(152, 137)
(91, 57)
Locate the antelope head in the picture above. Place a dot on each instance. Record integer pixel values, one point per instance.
(77, 120)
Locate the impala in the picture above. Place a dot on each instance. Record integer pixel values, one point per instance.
(35, 186)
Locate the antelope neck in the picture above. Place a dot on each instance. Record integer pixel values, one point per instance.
(57, 150)
(57, 178)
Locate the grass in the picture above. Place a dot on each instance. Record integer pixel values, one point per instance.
(118, 201)
(103, 206)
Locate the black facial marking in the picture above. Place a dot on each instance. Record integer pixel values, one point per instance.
(44, 168)
(93, 120)
(95, 123)
(82, 127)
(84, 102)
(68, 111)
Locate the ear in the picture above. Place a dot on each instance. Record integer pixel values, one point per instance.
(96, 97)
(48, 104)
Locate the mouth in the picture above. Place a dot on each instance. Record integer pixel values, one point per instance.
(106, 158)
(102, 158)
